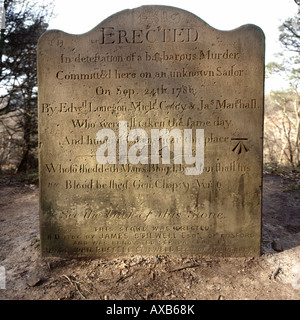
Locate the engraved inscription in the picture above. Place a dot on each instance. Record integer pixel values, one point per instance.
(150, 131)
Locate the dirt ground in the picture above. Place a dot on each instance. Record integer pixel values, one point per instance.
(274, 275)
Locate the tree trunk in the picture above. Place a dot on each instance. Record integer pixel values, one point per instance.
(24, 165)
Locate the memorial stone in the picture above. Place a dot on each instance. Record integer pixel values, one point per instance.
(150, 137)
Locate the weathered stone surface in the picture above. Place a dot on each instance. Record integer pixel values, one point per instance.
(152, 68)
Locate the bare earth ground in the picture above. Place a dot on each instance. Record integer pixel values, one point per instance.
(274, 275)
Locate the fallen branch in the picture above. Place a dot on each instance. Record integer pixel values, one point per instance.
(187, 267)
(74, 283)
(125, 277)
